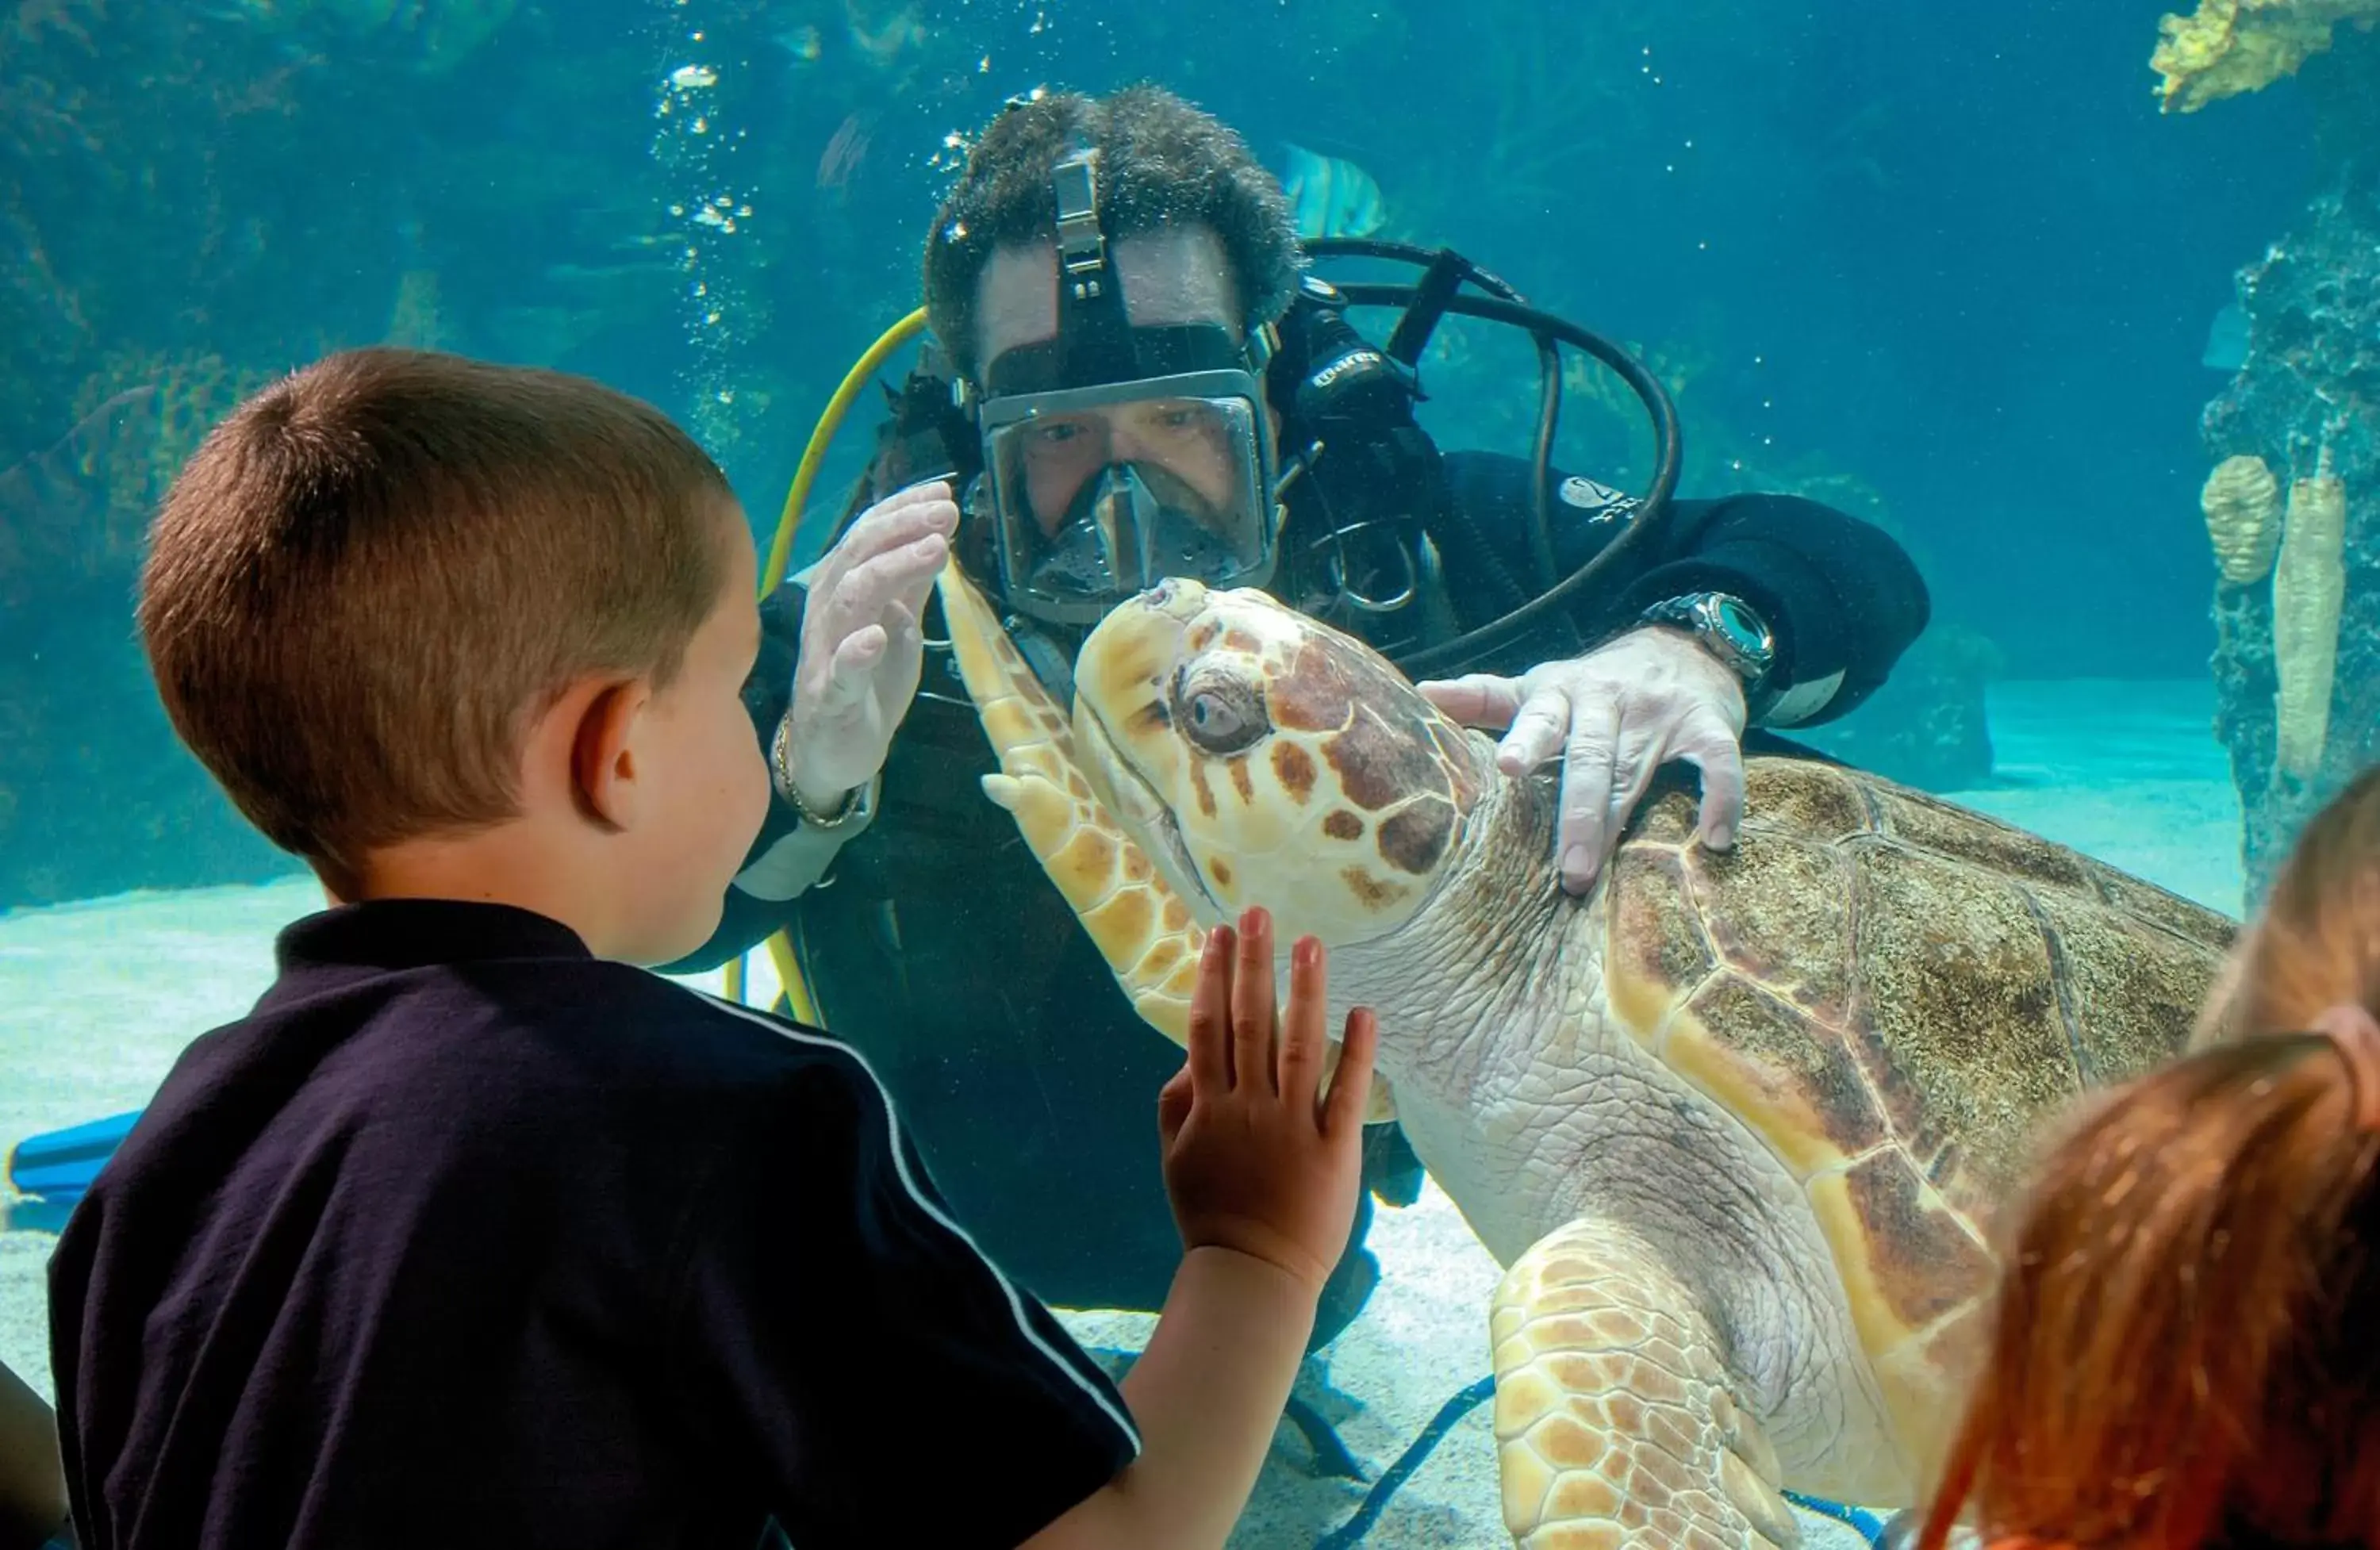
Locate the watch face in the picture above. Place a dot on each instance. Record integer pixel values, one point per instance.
(1739, 629)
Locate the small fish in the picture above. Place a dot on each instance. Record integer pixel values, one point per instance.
(1332, 197)
(2227, 340)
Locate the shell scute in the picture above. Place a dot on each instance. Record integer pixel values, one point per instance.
(1908, 1259)
(2125, 982)
(1779, 909)
(1797, 1086)
(2166, 911)
(1656, 953)
(1958, 1000)
(1962, 835)
(1815, 801)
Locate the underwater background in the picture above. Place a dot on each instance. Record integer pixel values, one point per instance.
(1955, 271)
(1977, 275)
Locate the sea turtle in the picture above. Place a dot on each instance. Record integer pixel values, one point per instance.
(1734, 1122)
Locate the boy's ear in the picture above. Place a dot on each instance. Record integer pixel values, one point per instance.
(603, 753)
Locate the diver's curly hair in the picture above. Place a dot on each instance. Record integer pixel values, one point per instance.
(1162, 162)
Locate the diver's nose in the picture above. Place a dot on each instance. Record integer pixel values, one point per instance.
(1125, 444)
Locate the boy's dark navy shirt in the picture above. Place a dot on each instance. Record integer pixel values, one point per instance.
(463, 1237)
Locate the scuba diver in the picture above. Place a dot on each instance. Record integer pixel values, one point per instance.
(1131, 375)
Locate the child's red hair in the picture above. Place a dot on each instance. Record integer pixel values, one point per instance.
(2186, 1349)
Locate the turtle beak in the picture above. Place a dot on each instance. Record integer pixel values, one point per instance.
(1134, 801)
(1177, 598)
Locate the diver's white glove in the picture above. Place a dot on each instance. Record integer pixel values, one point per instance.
(1616, 715)
(861, 649)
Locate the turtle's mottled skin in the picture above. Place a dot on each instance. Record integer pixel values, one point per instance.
(1735, 1122)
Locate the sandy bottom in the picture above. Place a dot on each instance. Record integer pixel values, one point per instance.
(102, 996)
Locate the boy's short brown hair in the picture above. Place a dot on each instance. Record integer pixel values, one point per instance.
(374, 574)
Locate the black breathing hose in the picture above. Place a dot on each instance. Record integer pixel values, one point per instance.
(1505, 306)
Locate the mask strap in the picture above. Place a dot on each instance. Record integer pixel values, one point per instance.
(2352, 1030)
(1092, 329)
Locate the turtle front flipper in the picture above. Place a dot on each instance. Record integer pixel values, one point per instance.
(1615, 1419)
(1140, 925)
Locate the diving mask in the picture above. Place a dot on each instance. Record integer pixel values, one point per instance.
(1096, 493)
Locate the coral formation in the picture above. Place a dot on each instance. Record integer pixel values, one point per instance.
(197, 196)
(192, 391)
(95, 795)
(2241, 502)
(2308, 400)
(2308, 587)
(2229, 46)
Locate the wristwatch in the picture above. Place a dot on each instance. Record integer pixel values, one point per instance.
(1730, 629)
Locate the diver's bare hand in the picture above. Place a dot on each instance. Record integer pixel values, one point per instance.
(861, 649)
(1257, 1158)
(1615, 715)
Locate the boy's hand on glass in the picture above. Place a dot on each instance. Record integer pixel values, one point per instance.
(1257, 1158)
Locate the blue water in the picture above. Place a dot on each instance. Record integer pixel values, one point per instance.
(1955, 264)
(1950, 264)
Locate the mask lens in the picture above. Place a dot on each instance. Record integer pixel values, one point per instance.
(1096, 501)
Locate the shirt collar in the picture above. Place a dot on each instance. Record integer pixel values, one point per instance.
(412, 933)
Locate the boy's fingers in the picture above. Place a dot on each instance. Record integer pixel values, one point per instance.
(1350, 1086)
(1252, 1005)
(1301, 1036)
(1173, 1106)
(1210, 1010)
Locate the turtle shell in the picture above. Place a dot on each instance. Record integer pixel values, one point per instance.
(1894, 994)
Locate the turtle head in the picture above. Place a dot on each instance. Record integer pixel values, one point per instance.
(1262, 757)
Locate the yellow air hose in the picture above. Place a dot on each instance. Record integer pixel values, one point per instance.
(773, 576)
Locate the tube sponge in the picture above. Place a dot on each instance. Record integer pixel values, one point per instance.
(2229, 46)
(2308, 587)
(2243, 504)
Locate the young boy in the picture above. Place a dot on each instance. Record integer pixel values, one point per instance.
(473, 1234)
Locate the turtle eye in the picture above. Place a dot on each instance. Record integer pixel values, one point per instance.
(1222, 716)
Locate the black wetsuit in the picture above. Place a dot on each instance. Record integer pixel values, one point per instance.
(936, 944)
